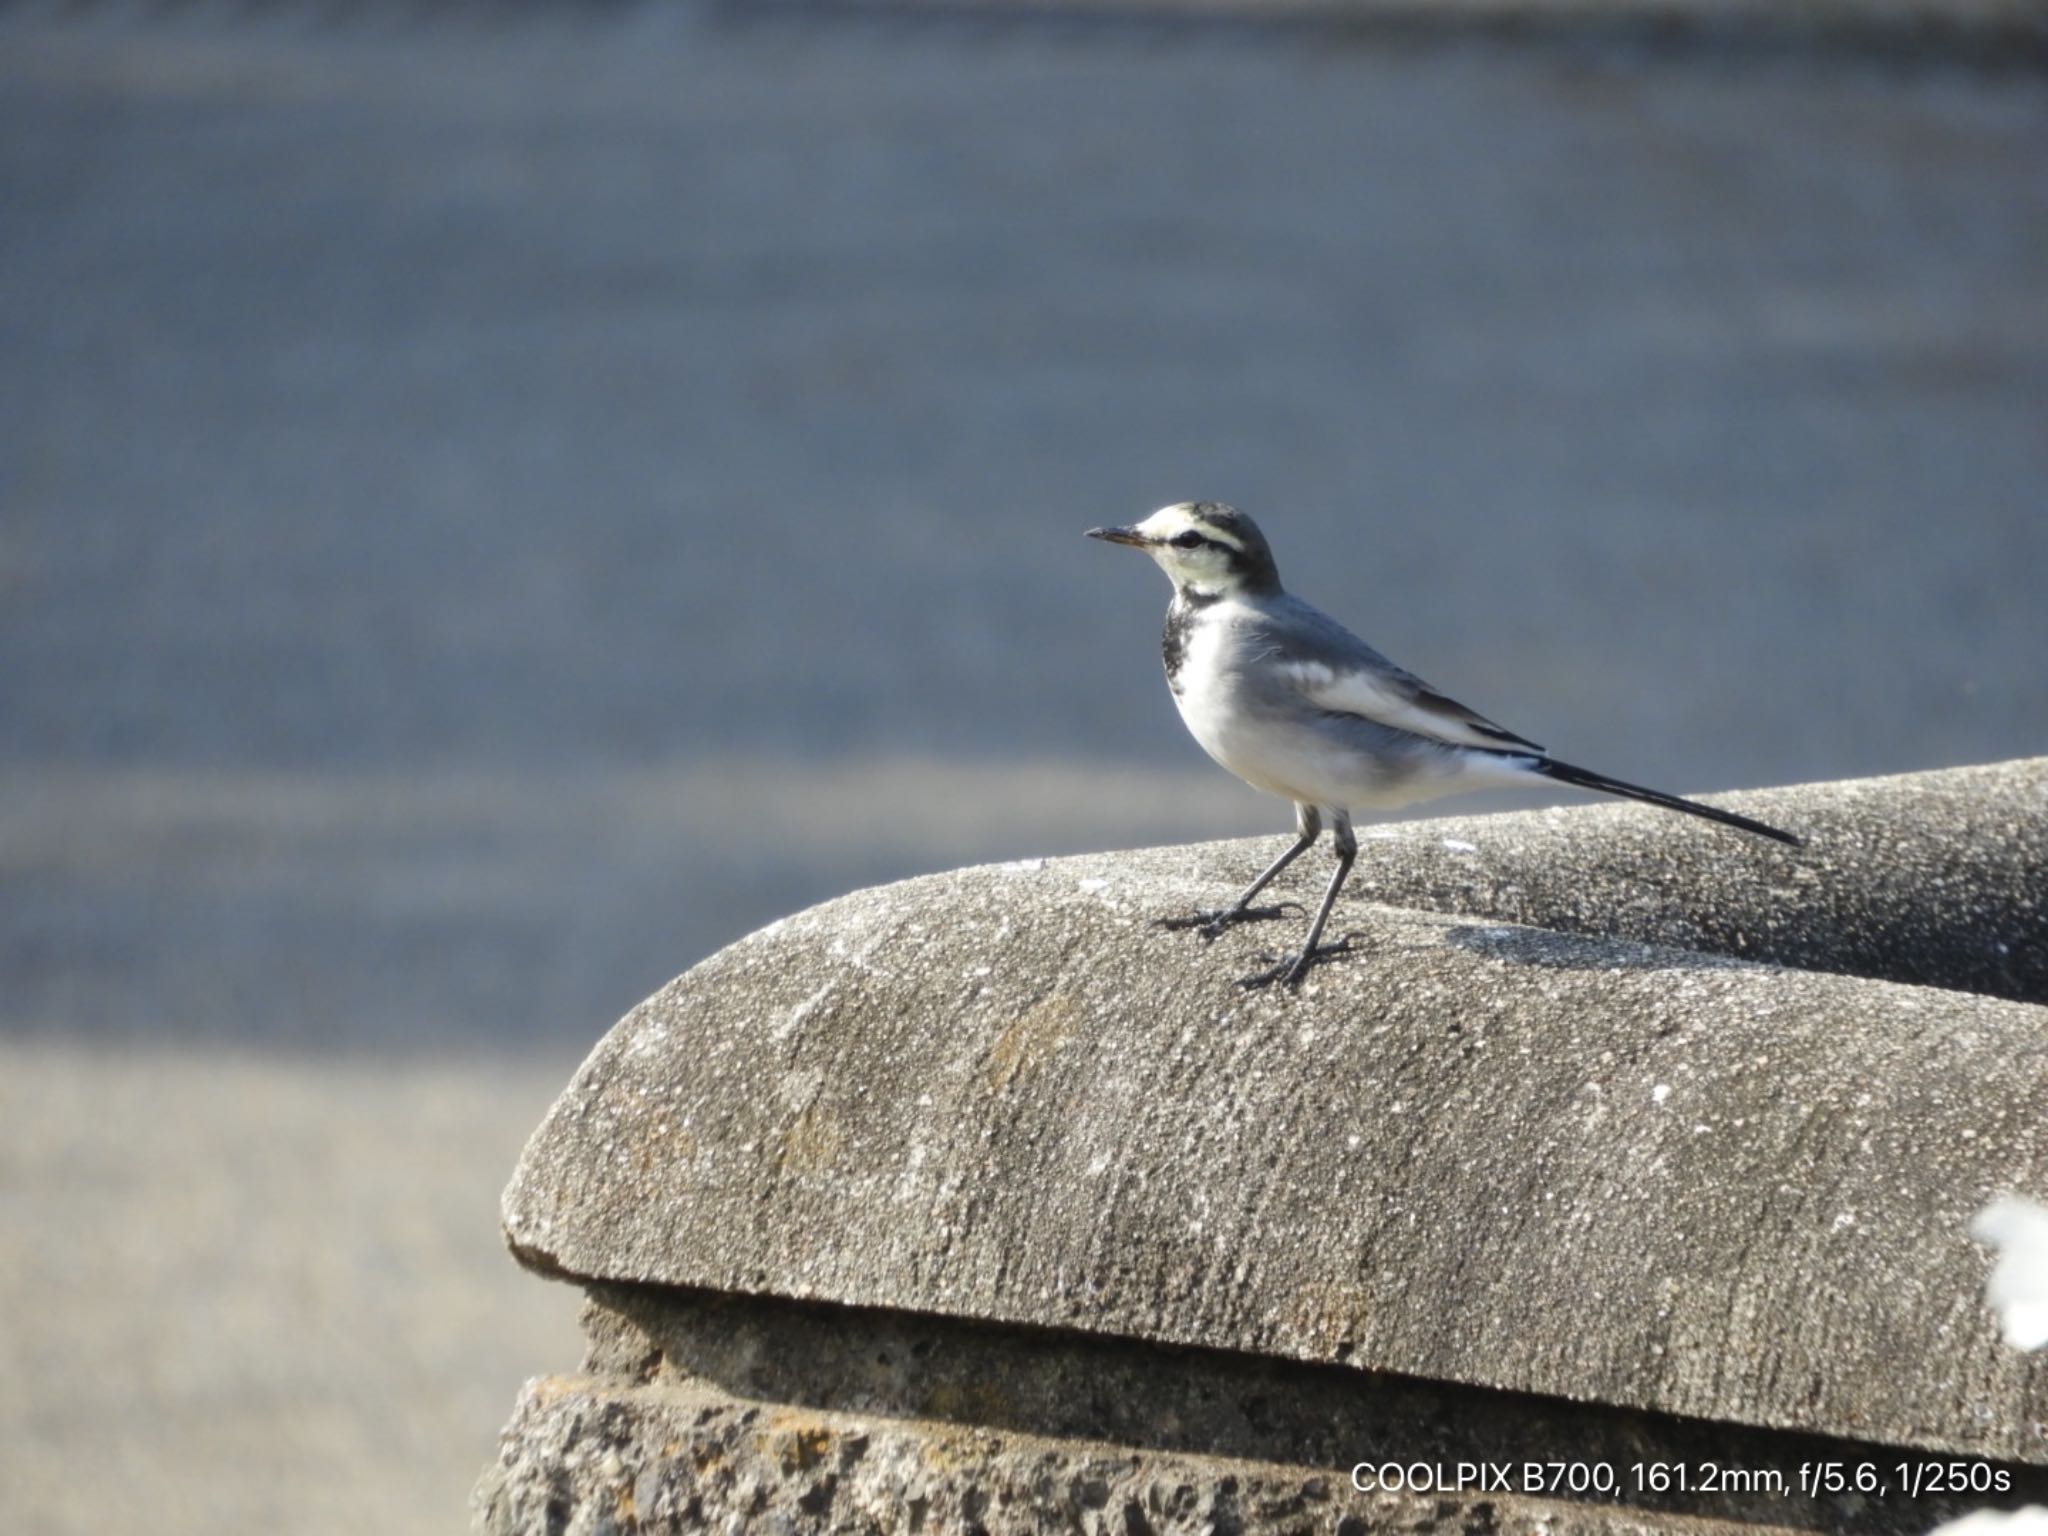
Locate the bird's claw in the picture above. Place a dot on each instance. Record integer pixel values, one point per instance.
(1212, 924)
(1288, 972)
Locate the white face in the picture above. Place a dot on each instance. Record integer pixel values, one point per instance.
(1185, 547)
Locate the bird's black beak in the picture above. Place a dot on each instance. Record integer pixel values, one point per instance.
(1120, 536)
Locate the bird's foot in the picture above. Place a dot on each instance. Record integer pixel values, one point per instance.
(1288, 972)
(1210, 924)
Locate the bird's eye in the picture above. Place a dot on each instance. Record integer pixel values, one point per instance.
(1187, 540)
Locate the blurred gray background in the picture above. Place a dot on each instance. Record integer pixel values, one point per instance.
(495, 503)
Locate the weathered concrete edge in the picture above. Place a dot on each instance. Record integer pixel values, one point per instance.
(1965, 1294)
(806, 1277)
(546, 1263)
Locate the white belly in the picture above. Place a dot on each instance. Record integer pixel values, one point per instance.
(1309, 766)
(1284, 763)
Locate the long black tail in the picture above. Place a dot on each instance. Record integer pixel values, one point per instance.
(1580, 778)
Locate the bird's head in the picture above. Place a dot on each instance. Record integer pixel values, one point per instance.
(1207, 550)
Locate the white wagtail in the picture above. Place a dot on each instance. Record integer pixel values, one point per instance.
(1295, 704)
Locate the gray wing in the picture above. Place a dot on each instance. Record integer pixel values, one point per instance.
(1305, 650)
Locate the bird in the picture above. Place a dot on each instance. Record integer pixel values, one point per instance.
(1294, 704)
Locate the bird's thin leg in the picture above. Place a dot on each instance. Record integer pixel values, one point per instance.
(1308, 826)
(1290, 972)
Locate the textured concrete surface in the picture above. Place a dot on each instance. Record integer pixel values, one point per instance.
(948, 1377)
(1469, 1151)
(1939, 879)
(586, 1455)
(704, 1412)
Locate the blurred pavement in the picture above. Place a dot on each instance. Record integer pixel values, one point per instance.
(252, 1296)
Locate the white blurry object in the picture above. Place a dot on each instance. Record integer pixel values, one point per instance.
(2029, 1521)
(2018, 1287)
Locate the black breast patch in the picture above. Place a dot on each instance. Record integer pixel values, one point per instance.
(1180, 622)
